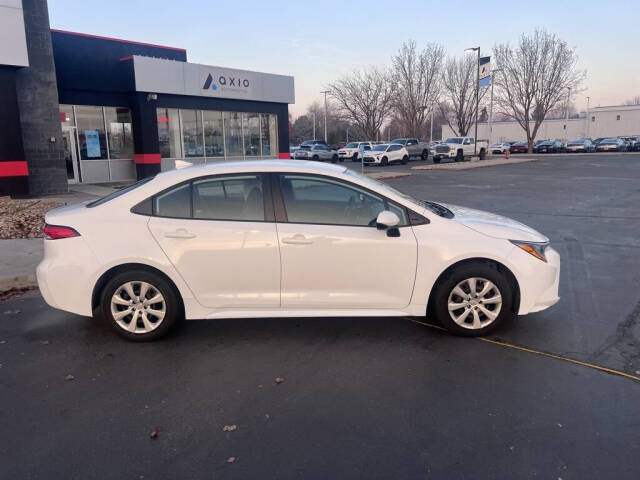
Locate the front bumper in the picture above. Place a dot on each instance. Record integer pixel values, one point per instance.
(538, 281)
(367, 159)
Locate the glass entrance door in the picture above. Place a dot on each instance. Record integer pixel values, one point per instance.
(70, 154)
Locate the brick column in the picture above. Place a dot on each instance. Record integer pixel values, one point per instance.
(37, 95)
(145, 135)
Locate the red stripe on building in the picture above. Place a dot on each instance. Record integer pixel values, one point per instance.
(118, 40)
(284, 156)
(14, 169)
(147, 158)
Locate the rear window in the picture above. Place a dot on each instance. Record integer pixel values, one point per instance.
(118, 193)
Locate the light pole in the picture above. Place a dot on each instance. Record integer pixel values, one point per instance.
(325, 114)
(491, 105)
(476, 49)
(314, 125)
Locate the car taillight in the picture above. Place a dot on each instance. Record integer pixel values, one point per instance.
(54, 232)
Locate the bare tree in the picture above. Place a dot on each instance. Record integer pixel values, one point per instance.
(458, 105)
(417, 76)
(633, 101)
(536, 76)
(364, 98)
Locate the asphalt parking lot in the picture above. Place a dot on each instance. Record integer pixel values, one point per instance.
(361, 398)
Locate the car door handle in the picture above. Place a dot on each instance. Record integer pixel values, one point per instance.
(180, 233)
(297, 240)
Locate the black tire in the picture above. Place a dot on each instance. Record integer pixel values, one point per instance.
(315, 157)
(173, 305)
(404, 160)
(334, 159)
(384, 162)
(438, 306)
(436, 160)
(459, 156)
(483, 153)
(425, 155)
(354, 158)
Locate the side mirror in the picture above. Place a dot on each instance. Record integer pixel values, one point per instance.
(388, 221)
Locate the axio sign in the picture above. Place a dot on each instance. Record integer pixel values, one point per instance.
(159, 75)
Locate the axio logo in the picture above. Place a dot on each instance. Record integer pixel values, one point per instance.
(223, 81)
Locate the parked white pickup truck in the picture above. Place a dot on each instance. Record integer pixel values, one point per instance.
(459, 148)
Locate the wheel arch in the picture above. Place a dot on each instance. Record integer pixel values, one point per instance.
(123, 267)
(479, 260)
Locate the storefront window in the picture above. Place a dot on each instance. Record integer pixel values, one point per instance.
(192, 133)
(251, 128)
(213, 134)
(233, 133)
(273, 136)
(169, 132)
(119, 132)
(91, 136)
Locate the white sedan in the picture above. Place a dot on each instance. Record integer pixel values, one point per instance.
(386, 153)
(499, 147)
(294, 239)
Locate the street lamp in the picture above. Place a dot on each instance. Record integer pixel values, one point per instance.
(476, 49)
(325, 114)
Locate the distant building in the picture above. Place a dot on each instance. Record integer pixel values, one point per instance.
(611, 121)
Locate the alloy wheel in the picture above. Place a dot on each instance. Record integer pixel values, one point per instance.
(474, 303)
(138, 307)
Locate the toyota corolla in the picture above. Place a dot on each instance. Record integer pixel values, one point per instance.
(295, 239)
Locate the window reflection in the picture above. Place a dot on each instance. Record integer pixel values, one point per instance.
(169, 132)
(233, 134)
(213, 134)
(251, 128)
(192, 133)
(91, 136)
(119, 132)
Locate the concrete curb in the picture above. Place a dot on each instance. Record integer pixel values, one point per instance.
(474, 164)
(21, 281)
(387, 175)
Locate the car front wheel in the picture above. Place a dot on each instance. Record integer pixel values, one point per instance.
(473, 300)
(140, 305)
(425, 155)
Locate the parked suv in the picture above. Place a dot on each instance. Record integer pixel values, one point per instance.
(316, 152)
(414, 147)
(385, 154)
(351, 150)
(499, 147)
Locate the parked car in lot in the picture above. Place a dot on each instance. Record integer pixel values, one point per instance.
(580, 145)
(206, 242)
(414, 146)
(459, 148)
(316, 152)
(519, 147)
(351, 150)
(630, 143)
(613, 144)
(386, 153)
(499, 147)
(549, 146)
(307, 143)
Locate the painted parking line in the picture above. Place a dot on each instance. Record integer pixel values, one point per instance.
(539, 352)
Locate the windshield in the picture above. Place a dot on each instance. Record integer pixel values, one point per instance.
(577, 142)
(380, 148)
(436, 208)
(351, 145)
(609, 140)
(497, 144)
(453, 140)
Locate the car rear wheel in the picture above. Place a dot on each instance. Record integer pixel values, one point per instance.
(315, 157)
(425, 155)
(436, 160)
(405, 160)
(473, 300)
(459, 156)
(140, 305)
(483, 153)
(334, 158)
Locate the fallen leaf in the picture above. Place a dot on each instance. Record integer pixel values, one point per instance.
(2, 341)
(69, 377)
(154, 433)
(12, 312)
(231, 459)
(229, 428)
(279, 380)
(267, 416)
(45, 342)
(560, 425)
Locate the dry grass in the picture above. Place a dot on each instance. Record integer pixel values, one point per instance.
(23, 218)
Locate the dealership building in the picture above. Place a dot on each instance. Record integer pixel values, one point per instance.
(82, 108)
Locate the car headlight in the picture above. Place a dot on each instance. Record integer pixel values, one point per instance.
(536, 249)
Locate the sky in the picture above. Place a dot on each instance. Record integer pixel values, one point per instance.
(317, 42)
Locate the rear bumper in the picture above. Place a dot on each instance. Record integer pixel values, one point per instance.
(63, 272)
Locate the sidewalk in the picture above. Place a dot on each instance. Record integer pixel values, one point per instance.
(490, 162)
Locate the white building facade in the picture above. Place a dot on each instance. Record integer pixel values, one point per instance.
(611, 121)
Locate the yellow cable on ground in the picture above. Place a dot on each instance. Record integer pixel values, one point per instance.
(544, 354)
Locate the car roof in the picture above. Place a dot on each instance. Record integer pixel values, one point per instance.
(244, 166)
